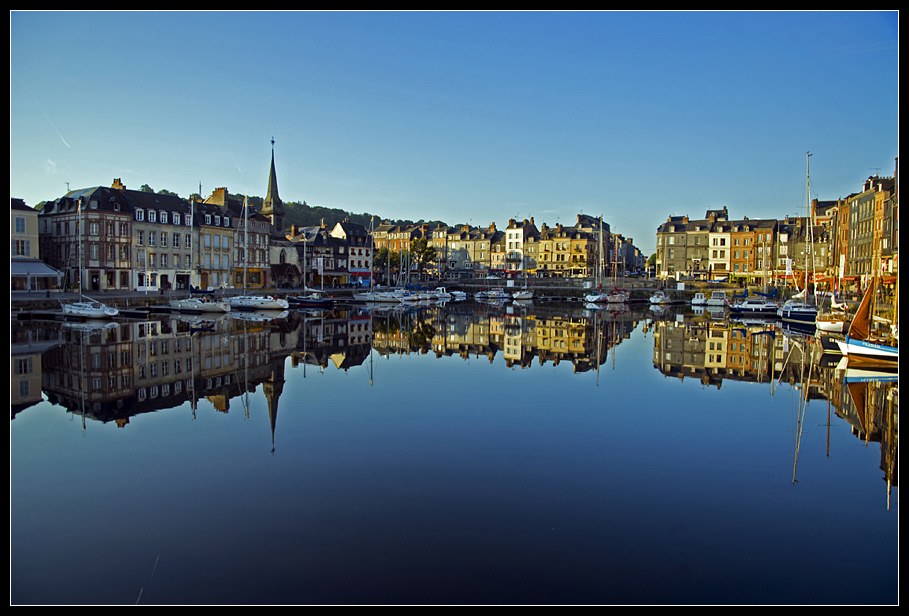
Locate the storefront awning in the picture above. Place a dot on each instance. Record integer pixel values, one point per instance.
(33, 268)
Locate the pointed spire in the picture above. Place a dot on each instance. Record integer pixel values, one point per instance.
(273, 207)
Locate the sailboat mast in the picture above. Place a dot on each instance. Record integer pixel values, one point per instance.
(245, 239)
(808, 217)
(81, 258)
(599, 255)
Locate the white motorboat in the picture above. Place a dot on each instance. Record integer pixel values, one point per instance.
(718, 298)
(493, 294)
(257, 302)
(754, 306)
(660, 297)
(90, 309)
(197, 304)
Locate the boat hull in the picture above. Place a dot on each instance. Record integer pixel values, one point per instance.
(200, 306)
(90, 310)
(863, 350)
(257, 303)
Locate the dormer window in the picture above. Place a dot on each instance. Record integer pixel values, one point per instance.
(208, 219)
(217, 220)
(164, 217)
(227, 221)
(140, 215)
(152, 216)
(176, 218)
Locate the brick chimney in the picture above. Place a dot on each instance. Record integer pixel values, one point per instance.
(118, 185)
(218, 196)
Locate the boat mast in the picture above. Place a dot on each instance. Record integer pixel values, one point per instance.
(192, 227)
(81, 225)
(597, 282)
(245, 239)
(809, 232)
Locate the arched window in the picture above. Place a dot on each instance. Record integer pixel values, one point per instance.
(283, 257)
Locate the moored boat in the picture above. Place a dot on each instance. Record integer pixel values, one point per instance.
(754, 306)
(660, 297)
(798, 311)
(699, 299)
(90, 309)
(314, 299)
(199, 304)
(718, 298)
(862, 342)
(257, 302)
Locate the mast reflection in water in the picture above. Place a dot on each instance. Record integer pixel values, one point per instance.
(535, 454)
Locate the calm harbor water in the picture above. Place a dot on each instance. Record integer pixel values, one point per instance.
(540, 454)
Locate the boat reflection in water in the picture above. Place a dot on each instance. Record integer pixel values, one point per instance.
(586, 438)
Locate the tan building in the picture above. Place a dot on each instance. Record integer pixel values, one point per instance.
(214, 252)
(27, 271)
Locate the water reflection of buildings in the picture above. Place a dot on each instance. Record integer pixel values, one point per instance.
(114, 372)
(340, 338)
(523, 335)
(27, 344)
(712, 350)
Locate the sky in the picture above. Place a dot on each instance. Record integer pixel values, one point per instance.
(465, 117)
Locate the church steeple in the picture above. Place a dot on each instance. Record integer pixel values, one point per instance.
(273, 207)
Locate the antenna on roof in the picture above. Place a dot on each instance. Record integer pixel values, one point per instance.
(67, 186)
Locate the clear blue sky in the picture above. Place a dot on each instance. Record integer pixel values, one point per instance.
(462, 117)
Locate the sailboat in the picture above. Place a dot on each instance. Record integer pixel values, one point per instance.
(616, 296)
(523, 293)
(598, 296)
(861, 343)
(374, 295)
(311, 298)
(799, 310)
(833, 320)
(253, 302)
(198, 304)
(86, 307)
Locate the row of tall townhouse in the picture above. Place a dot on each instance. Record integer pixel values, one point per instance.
(104, 238)
(570, 251)
(109, 238)
(839, 245)
(116, 238)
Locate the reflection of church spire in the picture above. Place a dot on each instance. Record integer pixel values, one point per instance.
(273, 388)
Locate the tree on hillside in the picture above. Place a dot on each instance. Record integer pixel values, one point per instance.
(146, 188)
